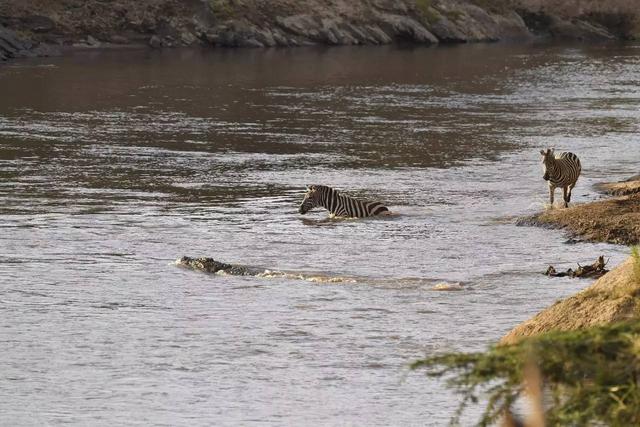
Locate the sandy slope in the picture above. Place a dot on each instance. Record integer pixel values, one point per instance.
(612, 298)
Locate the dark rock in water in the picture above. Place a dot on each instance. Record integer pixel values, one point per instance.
(46, 50)
(169, 41)
(92, 41)
(226, 38)
(118, 39)
(187, 38)
(210, 265)
(155, 42)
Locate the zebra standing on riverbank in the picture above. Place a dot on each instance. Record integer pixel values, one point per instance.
(560, 171)
(339, 205)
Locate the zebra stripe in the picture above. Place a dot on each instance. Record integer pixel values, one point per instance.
(561, 172)
(338, 204)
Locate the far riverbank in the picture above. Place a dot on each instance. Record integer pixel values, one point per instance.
(31, 28)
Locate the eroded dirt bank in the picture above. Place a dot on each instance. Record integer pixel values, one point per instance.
(612, 220)
(612, 298)
(27, 25)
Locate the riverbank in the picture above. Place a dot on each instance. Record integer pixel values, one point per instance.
(38, 26)
(613, 220)
(616, 295)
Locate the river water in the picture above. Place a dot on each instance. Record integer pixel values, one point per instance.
(115, 163)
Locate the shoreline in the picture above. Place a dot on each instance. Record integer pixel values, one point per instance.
(615, 219)
(615, 296)
(30, 29)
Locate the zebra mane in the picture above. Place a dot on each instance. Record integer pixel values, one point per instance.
(319, 186)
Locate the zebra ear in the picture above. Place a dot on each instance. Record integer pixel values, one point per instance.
(551, 150)
(542, 152)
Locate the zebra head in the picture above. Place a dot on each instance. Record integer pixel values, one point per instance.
(311, 199)
(547, 162)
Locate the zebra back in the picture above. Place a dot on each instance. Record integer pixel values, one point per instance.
(340, 205)
(354, 208)
(566, 171)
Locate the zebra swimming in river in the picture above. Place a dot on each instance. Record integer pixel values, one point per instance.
(339, 205)
(560, 171)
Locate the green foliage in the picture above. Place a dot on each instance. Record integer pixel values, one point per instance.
(635, 254)
(590, 376)
(221, 9)
(425, 9)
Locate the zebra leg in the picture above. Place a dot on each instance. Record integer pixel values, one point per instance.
(565, 191)
(552, 190)
(570, 190)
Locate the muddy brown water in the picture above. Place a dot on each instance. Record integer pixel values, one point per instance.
(114, 163)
